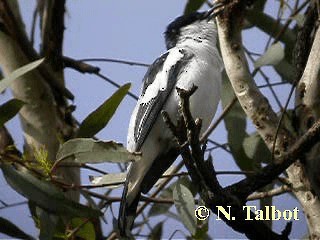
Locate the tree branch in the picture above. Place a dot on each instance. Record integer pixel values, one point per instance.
(13, 27)
(255, 105)
(52, 31)
(265, 120)
(41, 117)
(203, 174)
(308, 111)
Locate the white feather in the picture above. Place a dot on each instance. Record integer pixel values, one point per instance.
(204, 71)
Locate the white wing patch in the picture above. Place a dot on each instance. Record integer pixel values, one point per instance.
(161, 80)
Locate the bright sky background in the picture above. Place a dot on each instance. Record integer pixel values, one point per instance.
(128, 30)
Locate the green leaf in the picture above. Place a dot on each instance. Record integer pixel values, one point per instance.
(86, 230)
(256, 149)
(273, 55)
(235, 122)
(44, 194)
(259, 5)
(9, 109)
(202, 230)
(202, 226)
(48, 224)
(5, 82)
(87, 150)
(156, 233)
(100, 117)
(267, 202)
(111, 178)
(299, 18)
(286, 71)
(185, 205)
(12, 230)
(192, 6)
(160, 209)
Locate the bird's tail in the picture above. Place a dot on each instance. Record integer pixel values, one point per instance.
(141, 179)
(127, 212)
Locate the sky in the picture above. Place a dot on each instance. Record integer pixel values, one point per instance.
(127, 30)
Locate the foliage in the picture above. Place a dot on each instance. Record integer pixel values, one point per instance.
(37, 178)
(99, 118)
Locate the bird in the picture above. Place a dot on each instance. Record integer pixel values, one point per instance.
(192, 59)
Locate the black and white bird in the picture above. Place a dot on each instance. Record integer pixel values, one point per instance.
(192, 58)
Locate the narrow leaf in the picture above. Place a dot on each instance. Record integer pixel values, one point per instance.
(185, 205)
(100, 117)
(192, 6)
(286, 71)
(86, 230)
(273, 55)
(235, 122)
(44, 194)
(5, 82)
(160, 209)
(256, 149)
(9, 109)
(267, 202)
(87, 150)
(299, 18)
(12, 230)
(112, 178)
(48, 224)
(202, 226)
(156, 233)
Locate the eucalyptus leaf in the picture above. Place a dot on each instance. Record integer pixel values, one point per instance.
(235, 122)
(5, 82)
(100, 117)
(202, 230)
(193, 5)
(299, 18)
(256, 149)
(48, 224)
(10, 229)
(111, 178)
(267, 202)
(44, 194)
(286, 71)
(9, 109)
(156, 232)
(185, 205)
(160, 209)
(87, 150)
(86, 230)
(273, 55)
(202, 226)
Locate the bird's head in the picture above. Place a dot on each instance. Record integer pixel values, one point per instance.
(197, 26)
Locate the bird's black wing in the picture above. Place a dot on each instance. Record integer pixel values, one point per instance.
(149, 111)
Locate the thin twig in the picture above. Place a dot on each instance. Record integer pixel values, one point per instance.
(33, 24)
(13, 205)
(286, 25)
(131, 63)
(274, 192)
(81, 165)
